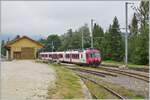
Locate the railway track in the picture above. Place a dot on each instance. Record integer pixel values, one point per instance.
(114, 71)
(131, 74)
(146, 70)
(103, 86)
(92, 94)
(98, 73)
(90, 72)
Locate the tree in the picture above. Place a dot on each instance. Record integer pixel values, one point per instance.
(76, 40)
(42, 41)
(106, 45)
(53, 42)
(114, 41)
(66, 39)
(132, 36)
(3, 50)
(98, 36)
(134, 26)
(73, 40)
(86, 35)
(140, 48)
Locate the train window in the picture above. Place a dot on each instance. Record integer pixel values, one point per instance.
(97, 55)
(67, 55)
(77, 56)
(60, 56)
(45, 55)
(81, 55)
(72, 56)
(92, 55)
(55, 56)
(50, 55)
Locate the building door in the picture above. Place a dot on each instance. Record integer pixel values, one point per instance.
(27, 53)
(17, 55)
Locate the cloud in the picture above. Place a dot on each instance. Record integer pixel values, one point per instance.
(49, 17)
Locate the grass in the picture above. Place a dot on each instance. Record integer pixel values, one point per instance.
(100, 92)
(130, 65)
(67, 84)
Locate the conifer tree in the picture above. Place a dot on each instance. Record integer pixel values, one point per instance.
(114, 42)
(98, 35)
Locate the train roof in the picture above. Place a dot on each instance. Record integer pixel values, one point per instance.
(74, 51)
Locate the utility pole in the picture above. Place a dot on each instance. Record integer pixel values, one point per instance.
(92, 33)
(82, 40)
(126, 35)
(52, 46)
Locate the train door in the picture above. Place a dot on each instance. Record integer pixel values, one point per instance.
(81, 57)
(70, 56)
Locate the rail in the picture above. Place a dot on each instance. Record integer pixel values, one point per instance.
(108, 89)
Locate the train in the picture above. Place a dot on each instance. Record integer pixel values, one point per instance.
(88, 57)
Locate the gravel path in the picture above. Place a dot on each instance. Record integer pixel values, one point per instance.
(25, 80)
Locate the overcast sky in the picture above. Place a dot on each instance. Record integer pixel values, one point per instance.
(49, 17)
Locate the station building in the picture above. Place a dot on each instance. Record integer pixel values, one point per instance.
(22, 48)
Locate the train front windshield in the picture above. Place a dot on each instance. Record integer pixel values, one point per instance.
(93, 55)
(97, 55)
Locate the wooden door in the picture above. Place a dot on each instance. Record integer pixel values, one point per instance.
(27, 53)
(17, 55)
